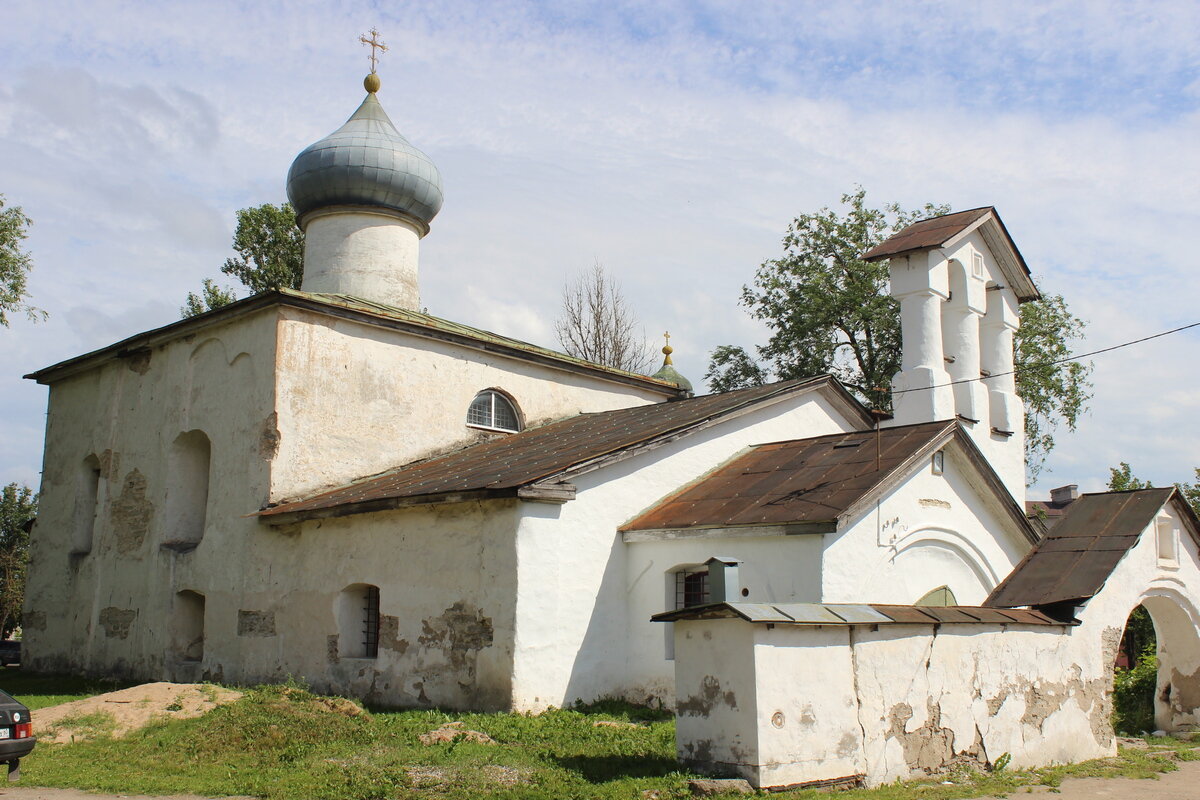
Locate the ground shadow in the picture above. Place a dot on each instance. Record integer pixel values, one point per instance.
(602, 769)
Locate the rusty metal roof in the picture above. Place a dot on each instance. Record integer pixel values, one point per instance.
(798, 481)
(501, 466)
(1079, 553)
(857, 614)
(935, 232)
(927, 234)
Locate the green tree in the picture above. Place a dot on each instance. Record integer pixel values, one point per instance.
(15, 264)
(269, 248)
(829, 311)
(211, 296)
(18, 505)
(1122, 479)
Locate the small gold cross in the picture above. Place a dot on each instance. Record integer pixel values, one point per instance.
(374, 43)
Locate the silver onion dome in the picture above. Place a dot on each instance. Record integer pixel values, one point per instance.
(366, 162)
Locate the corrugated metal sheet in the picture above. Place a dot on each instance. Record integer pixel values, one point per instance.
(526, 457)
(1081, 551)
(805, 480)
(857, 614)
(927, 233)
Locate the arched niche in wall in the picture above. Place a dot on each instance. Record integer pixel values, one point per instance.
(940, 556)
(186, 512)
(187, 626)
(88, 492)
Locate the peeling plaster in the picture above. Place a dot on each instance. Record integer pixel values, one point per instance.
(701, 705)
(268, 440)
(256, 623)
(131, 513)
(117, 621)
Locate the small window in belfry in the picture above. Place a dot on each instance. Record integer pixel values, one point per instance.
(977, 265)
(939, 462)
(491, 409)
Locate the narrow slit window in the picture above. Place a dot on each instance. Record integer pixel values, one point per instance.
(371, 622)
(491, 409)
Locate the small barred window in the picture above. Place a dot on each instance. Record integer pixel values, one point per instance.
(691, 587)
(491, 409)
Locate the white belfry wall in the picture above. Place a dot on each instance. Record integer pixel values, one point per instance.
(957, 320)
(365, 253)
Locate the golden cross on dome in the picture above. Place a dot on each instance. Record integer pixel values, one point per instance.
(667, 349)
(374, 43)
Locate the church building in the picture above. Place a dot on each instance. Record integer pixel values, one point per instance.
(333, 485)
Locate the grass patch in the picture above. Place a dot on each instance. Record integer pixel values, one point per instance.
(99, 723)
(282, 742)
(40, 690)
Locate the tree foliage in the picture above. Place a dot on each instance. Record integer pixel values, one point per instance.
(270, 255)
(1122, 479)
(211, 296)
(597, 324)
(830, 312)
(18, 505)
(270, 249)
(15, 264)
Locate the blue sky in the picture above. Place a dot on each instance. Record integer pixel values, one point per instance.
(672, 142)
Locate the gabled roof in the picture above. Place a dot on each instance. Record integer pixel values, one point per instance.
(856, 614)
(1078, 554)
(535, 462)
(798, 481)
(814, 483)
(949, 229)
(359, 310)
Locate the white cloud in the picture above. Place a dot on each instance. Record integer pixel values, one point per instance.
(672, 142)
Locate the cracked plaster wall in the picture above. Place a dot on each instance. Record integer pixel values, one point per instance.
(898, 702)
(912, 700)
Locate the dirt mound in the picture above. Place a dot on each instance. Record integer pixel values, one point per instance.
(118, 713)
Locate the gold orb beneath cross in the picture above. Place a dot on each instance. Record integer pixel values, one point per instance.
(371, 83)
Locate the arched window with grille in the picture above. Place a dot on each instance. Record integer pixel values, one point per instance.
(495, 411)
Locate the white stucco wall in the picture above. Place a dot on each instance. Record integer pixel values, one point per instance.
(109, 610)
(356, 399)
(927, 531)
(585, 598)
(912, 700)
(898, 702)
(363, 253)
(1171, 593)
(446, 578)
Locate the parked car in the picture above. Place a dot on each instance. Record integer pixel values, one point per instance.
(16, 734)
(10, 652)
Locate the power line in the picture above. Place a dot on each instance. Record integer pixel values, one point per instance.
(1051, 363)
